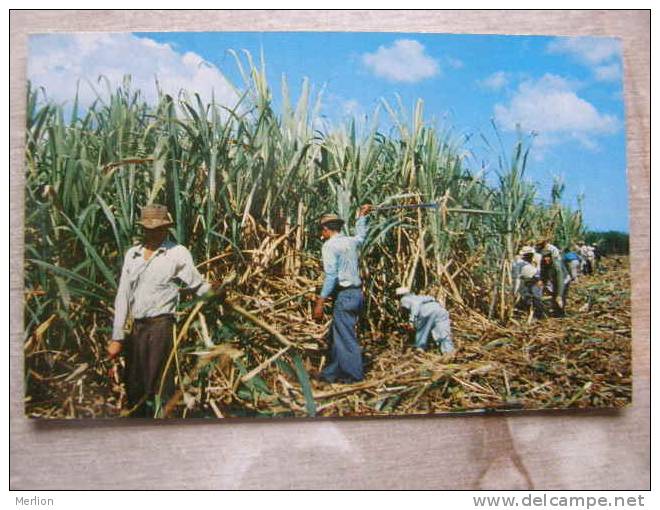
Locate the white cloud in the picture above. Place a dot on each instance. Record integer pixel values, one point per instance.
(496, 81)
(404, 61)
(550, 107)
(58, 61)
(455, 63)
(601, 54)
(609, 72)
(588, 50)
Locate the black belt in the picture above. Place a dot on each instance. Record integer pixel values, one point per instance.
(149, 320)
(340, 288)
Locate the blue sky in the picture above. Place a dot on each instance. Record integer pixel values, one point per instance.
(566, 90)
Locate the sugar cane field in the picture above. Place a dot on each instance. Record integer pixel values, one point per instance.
(246, 185)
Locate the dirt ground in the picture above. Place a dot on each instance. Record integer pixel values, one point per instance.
(581, 360)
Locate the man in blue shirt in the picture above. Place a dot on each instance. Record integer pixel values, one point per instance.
(342, 279)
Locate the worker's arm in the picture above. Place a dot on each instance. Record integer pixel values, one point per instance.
(515, 276)
(330, 281)
(560, 274)
(414, 311)
(121, 309)
(406, 303)
(361, 226)
(188, 273)
(331, 271)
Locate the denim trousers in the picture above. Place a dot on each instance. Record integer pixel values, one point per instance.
(345, 352)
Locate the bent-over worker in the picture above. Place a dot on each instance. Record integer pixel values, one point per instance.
(556, 279)
(427, 316)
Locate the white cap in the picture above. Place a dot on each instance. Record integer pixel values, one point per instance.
(525, 250)
(402, 291)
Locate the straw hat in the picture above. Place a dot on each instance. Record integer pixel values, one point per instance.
(155, 216)
(402, 291)
(328, 218)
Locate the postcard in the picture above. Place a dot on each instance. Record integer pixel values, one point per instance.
(318, 224)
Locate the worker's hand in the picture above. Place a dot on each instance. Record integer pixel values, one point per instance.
(365, 209)
(114, 348)
(218, 290)
(408, 327)
(317, 314)
(112, 373)
(539, 284)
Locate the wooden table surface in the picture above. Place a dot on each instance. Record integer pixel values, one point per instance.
(600, 449)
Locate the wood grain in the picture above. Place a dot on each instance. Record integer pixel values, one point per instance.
(558, 450)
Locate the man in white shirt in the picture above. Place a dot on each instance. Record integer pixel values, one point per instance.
(587, 256)
(153, 273)
(544, 245)
(526, 282)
